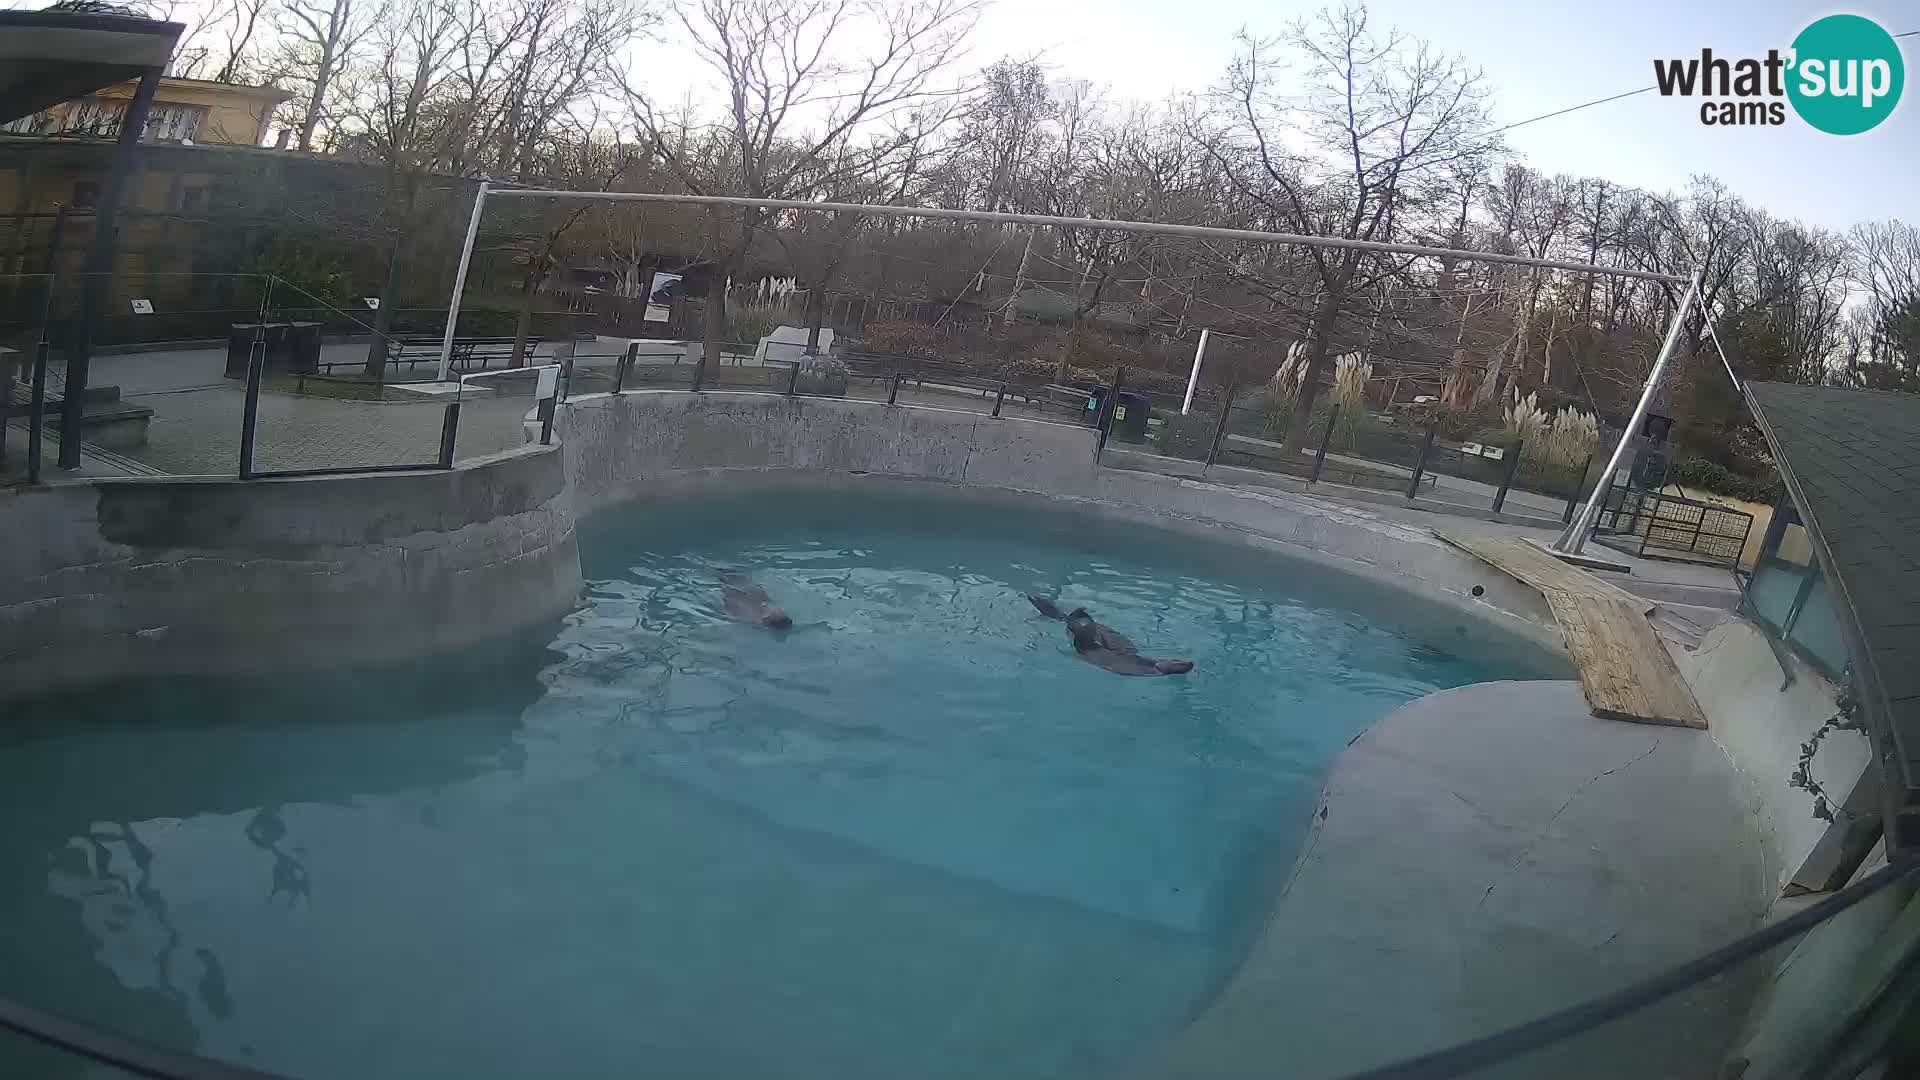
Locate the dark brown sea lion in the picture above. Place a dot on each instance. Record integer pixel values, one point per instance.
(745, 600)
(1103, 646)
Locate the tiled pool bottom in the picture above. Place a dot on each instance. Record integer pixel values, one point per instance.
(914, 836)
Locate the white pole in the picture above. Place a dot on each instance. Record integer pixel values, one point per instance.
(1160, 228)
(1193, 380)
(1575, 538)
(460, 281)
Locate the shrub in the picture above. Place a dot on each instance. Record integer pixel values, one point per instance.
(1704, 475)
(748, 323)
(904, 337)
(1184, 436)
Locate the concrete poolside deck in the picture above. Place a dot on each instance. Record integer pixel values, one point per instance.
(1484, 856)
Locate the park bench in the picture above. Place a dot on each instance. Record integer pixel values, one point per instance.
(470, 354)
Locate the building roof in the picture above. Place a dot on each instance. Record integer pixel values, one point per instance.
(1851, 460)
(47, 57)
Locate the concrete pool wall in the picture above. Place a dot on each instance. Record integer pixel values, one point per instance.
(655, 444)
(104, 579)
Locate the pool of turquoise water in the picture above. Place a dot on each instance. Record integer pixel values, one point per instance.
(913, 836)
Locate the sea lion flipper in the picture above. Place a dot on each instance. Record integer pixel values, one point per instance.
(1045, 607)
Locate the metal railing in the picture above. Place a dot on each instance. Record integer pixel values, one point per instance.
(1655, 525)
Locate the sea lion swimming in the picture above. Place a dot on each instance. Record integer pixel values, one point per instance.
(1103, 646)
(745, 600)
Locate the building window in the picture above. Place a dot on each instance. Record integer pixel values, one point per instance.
(100, 118)
(1788, 593)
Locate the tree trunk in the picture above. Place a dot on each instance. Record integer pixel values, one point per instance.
(322, 75)
(383, 316)
(1318, 353)
(523, 321)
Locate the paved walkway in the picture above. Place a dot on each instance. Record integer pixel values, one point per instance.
(197, 415)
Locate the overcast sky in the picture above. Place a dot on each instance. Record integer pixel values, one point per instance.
(1539, 57)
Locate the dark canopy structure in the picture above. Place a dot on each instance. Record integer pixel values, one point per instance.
(47, 57)
(1851, 463)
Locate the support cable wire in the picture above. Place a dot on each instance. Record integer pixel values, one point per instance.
(1469, 1057)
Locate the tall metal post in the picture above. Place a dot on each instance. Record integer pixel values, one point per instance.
(1507, 475)
(1575, 537)
(1193, 379)
(99, 265)
(460, 281)
(250, 410)
(1320, 459)
(1420, 466)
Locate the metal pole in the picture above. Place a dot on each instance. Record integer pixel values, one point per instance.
(449, 431)
(37, 409)
(1193, 379)
(460, 280)
(999, 397)
(1420, 466)
(1506, 481)
(1161, 228)
(99, 265)
(625, 365)
(1575, 537)
(1320, 459)
(893, 391)
(1220, 429)
(1573, 496)
(793, 380)
(250, 412)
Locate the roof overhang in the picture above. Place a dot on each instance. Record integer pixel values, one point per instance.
(47, 57)
(1851, 461)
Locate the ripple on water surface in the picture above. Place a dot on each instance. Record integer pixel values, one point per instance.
(913, 836)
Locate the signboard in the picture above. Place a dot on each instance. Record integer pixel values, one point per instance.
(143, 307)
(549, 384)
(372, 302)
(661, 295)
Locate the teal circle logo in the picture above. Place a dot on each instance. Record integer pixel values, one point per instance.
(1847, 74)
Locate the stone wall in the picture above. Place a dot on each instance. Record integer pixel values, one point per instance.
(110, 578)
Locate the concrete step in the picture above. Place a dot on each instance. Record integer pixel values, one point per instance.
(1686, 624)
(1725, 597)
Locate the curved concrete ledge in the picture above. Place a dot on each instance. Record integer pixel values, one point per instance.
(110, 578)
(1483, 856)
(662, 443)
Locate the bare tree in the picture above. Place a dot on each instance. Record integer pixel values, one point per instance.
(318, 38)
(800, 85)
(1359, 154)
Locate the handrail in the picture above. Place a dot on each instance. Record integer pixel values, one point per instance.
(1468, 1057)
(109, 1048)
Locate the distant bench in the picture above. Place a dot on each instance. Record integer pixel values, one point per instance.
(469, 354)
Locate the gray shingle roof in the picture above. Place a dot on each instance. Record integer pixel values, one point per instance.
(1852, 461)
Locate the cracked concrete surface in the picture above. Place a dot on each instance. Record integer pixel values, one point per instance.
(1486, 855)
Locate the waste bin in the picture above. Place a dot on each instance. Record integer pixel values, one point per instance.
(1130, 413)
(301, 355)
(240, 343)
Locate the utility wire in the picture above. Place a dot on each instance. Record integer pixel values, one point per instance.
(1570, 108)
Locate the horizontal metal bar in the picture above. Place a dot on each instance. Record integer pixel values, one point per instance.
(347, 470)
(1163, 228)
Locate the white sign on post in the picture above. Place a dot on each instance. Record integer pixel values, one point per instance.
(549, 384)
(659, 313)
(372, 302)
(143, 307)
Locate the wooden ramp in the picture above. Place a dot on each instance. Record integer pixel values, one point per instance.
(1626, 672)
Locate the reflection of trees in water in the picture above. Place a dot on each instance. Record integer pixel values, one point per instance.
(129, 881)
